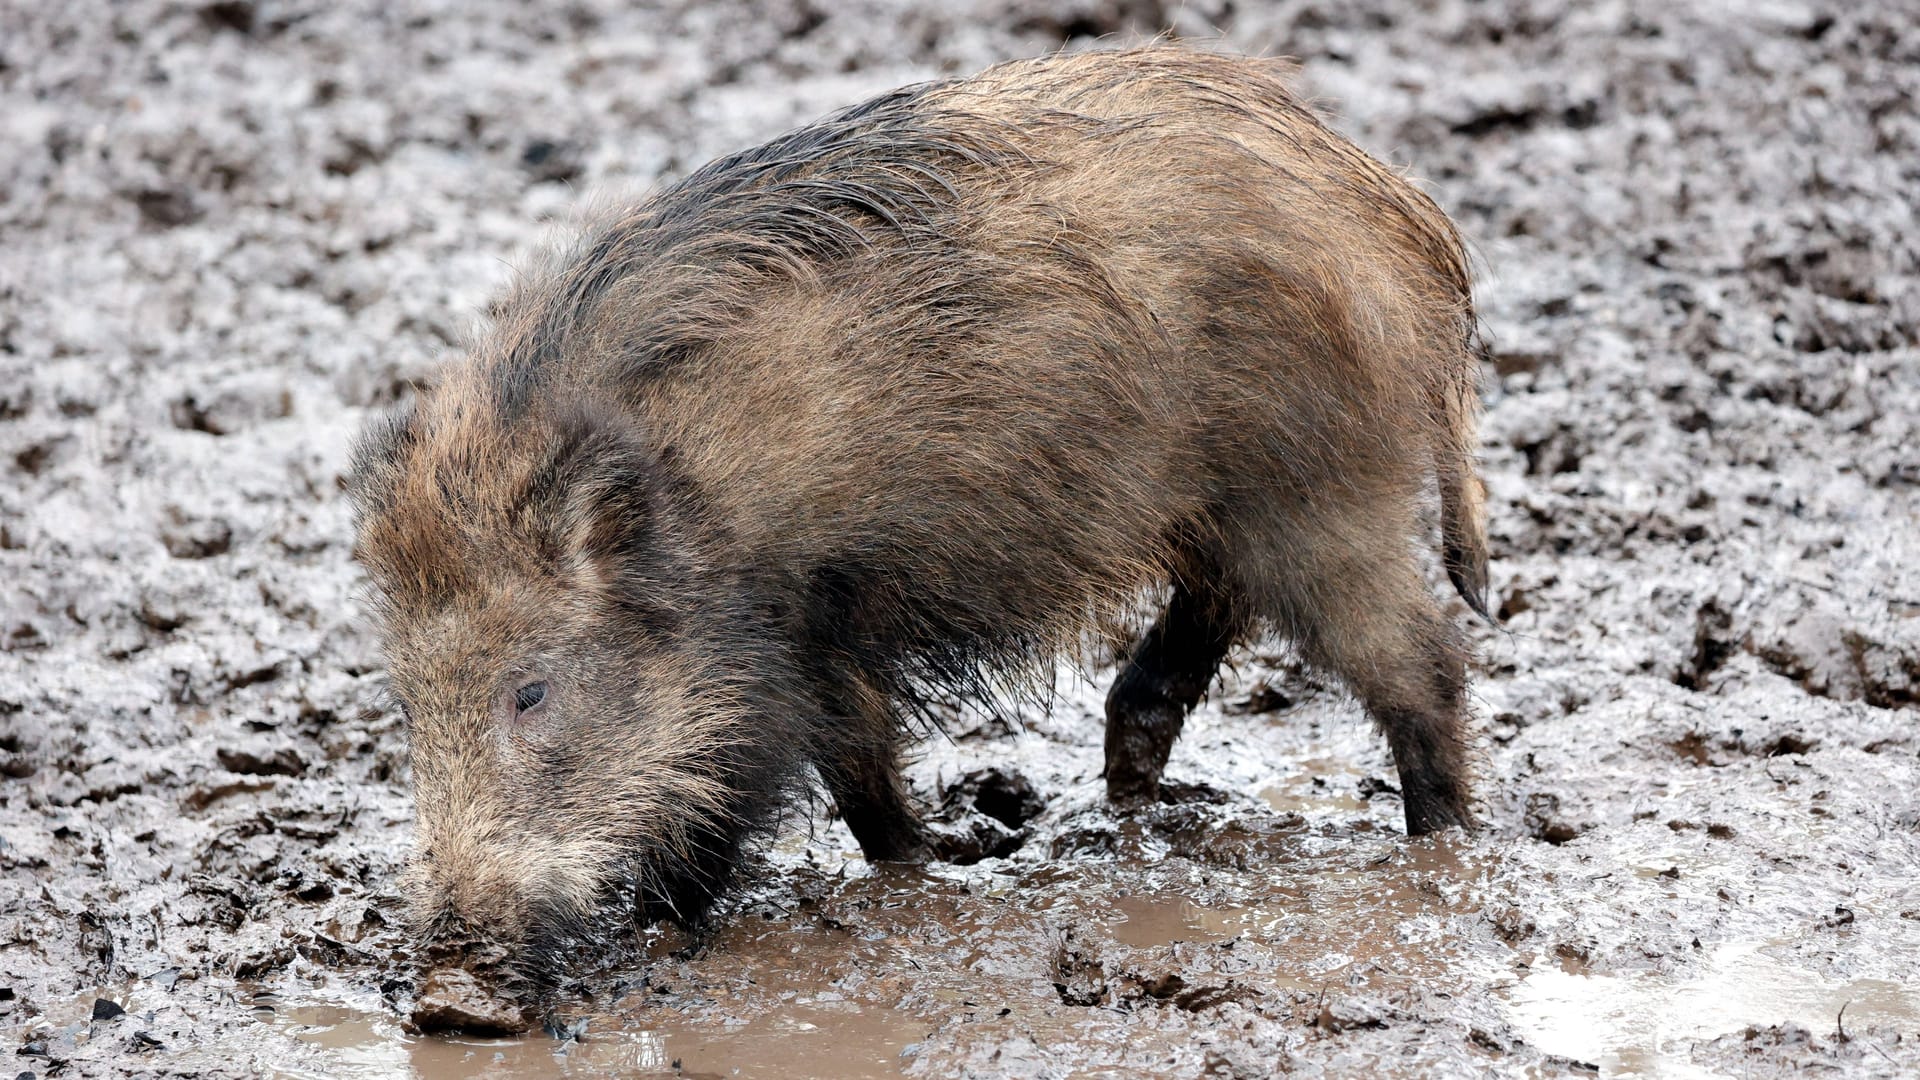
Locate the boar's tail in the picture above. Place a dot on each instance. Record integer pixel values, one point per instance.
(1463, 498)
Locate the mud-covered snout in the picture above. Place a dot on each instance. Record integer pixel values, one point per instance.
(494, 948)
(456, 998)
(481, 982)
(500, 937)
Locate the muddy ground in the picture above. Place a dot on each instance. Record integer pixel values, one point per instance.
(235, 229)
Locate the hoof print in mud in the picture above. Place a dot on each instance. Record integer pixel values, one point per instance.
(985, 816)
(452, 1001)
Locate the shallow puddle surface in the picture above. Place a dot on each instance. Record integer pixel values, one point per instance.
(1639, 1024)
(1147, 921)
(798, 1042)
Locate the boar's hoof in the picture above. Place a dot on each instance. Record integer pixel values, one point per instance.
(452, 1000)
(1133, 793)
(1430, 815)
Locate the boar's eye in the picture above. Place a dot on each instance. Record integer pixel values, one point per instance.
(529, 696)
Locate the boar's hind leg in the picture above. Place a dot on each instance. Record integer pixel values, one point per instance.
(1359, 607)
(1163, 680)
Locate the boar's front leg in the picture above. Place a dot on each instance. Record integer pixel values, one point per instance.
(1164, 679)
(861, 769)
(867, 788)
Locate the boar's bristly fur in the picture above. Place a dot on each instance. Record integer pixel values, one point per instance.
(901, 407)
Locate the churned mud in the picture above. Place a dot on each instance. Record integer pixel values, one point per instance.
(234, 229)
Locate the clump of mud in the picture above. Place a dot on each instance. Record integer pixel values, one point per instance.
(237, 229)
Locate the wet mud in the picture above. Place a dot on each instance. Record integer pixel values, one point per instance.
(234, 230)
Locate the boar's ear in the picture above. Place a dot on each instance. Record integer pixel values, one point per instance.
(602, 496)
(379, 454)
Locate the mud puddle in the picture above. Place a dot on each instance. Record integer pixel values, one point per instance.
(353, 1043)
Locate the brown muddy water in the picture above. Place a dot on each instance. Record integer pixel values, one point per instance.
(235, 230)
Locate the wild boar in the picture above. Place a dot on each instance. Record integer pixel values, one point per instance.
(898, 408)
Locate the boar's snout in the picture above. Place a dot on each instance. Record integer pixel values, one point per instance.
(456, 999)
(475, 984)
